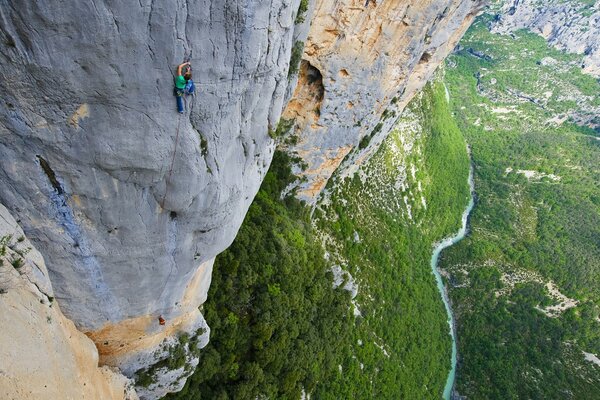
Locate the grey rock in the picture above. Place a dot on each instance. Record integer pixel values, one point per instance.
(126, 198)
(88, 135)
(343, 278)
(14, 245)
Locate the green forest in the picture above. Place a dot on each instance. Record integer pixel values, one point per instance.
(278, 326)
(382, 224)
(525, 284)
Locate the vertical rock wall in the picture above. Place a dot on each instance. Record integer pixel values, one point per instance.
(129, 201)
(369, 58)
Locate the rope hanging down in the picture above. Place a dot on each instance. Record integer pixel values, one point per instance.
(162, 203)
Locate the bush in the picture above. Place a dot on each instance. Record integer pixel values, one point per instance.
(295, 58)
(302, 9)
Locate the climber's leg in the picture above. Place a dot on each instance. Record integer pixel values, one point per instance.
(179, 103)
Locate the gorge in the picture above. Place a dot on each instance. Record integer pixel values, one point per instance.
(274, 240)
(441, 287)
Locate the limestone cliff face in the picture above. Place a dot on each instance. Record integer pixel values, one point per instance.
(129, 201)
(43, 355)
(361, 66)
(571, 26)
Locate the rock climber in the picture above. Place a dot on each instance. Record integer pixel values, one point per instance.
(183, 84)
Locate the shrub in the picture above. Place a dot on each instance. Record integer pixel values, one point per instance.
(295, 58)
(302, 9)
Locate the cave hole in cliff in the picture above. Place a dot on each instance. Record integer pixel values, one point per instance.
(172, 215)
(304, 108)
(312, 79)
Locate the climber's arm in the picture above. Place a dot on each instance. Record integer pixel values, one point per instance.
(180, 68)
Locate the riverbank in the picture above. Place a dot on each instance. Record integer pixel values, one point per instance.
(381, 227)
(440, 284)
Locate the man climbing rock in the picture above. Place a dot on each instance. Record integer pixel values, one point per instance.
(183, 84)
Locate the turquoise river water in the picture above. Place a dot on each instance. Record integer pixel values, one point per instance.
(440, 284)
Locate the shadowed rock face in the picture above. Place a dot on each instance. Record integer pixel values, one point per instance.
(88, 129)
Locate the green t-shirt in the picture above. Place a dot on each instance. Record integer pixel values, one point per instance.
(180, 82)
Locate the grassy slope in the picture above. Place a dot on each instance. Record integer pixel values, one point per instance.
(535, 230)
(402, 312)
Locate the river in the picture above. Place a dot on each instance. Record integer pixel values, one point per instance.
(440, 284)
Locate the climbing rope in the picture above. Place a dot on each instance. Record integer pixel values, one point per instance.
(186, 59)
(162, 203)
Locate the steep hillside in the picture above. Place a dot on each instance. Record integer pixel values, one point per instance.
(379, 228)
(525, 284)
(572, 26)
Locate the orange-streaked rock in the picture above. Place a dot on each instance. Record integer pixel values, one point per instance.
(370, 59)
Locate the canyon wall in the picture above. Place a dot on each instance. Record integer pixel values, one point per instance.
(43, 355)
(129, 201)
(361, 65)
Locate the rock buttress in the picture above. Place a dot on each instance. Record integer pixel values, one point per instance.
(43, 355)
(372, 60)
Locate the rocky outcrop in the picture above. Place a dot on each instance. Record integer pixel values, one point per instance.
(571, 26)
(43, 355)
(362, 64)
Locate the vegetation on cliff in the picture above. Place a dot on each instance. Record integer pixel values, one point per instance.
(277, 326)
(525, 283)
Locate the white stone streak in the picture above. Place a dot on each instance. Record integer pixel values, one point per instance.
(592, 358)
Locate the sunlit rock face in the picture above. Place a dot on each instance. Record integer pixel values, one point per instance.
(43, 355)
(359, 61)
